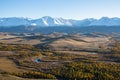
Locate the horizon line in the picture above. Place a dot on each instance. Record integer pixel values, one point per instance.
(58, 17)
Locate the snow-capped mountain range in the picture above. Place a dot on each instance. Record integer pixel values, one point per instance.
(50, 21)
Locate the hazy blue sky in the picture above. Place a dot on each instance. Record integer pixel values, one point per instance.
(76, 9)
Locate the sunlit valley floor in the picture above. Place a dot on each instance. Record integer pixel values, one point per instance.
(89, 56)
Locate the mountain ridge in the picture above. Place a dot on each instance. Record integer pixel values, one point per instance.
(50, 21)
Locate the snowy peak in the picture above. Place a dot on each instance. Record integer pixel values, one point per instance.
(13, 21)
(107, 22)
(50, 21)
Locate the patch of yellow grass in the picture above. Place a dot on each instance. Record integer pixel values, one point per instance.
(8, 65)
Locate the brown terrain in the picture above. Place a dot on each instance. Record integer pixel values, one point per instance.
(38, 52)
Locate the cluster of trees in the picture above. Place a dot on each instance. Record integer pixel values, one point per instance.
(25, 54)
(88, 71)
(115, 48)
(114, 53)
(17, 47)
(35, 75)
(31, 75)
